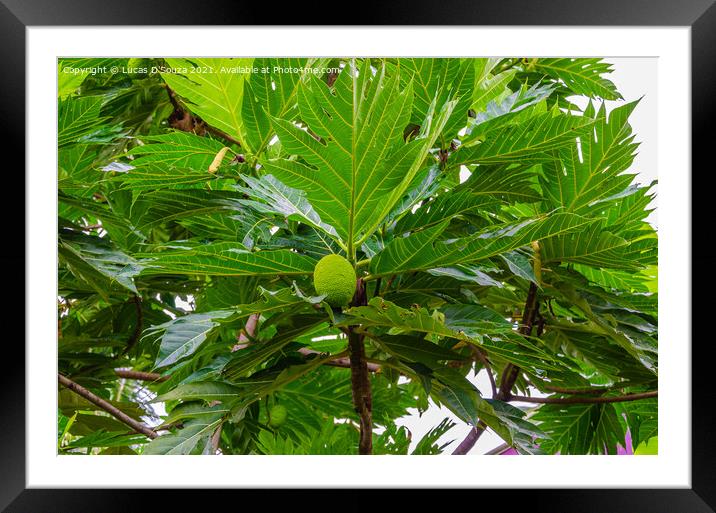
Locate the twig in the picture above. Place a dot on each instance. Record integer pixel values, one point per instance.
(579, 391)
(338, 362)
(108, 407)
(512, 372)
(584, 400)
(140, 375)
(477, 352)
(509, 375)
(221, 134)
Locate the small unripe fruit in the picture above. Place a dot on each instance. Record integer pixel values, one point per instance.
(277, 415)
(335, 277)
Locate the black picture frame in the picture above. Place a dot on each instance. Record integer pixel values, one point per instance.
(699, 15)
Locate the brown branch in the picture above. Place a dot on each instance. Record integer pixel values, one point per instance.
(584, 400)
(481, 356)
(339, 362)
(469, 442)
(511, 372)
(498, 450)
(140, 375)
(360, 380)
(579, 391)
(108, 407)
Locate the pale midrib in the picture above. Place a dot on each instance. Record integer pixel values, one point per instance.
(351, 211)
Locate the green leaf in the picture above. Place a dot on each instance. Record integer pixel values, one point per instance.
(470, 323)
(156, 207)
(106, 439)
(450, 77)
(78, 118)
(270, 196)
(151, 177)
(214, 89)
(355, 164)
(596, 247)
(579, 428)
(444, 207)
(422, 250)
(583, 76)
(203, 390)
(504, 110)
(417, 349)
(490, 89)
(643, 419)
(531, 141)
(193, 438)
(582, 174)
(428, 444)
(182, 336)
(522, 432)
(249, 358)
(96, 263)
(69, 80)
(503, 184)
(645, 355)
(227, 259)
(176, 149)
(271, 92)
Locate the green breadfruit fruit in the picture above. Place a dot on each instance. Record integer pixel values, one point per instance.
(277, 415)
(335, 277)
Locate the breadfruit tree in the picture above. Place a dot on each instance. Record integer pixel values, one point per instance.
(468, 216)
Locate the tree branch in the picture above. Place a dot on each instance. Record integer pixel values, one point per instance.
(481, 356)
(580, 391)
(106, 406)
(584, 400)
(140, 375)
(472, 437)
(511, 372)
(339, 362)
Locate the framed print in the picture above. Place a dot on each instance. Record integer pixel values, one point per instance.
(270, 249)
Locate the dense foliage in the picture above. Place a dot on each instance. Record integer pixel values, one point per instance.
(493, 224)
